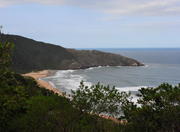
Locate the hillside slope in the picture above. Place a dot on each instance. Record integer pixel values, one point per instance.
(30, 55)
(93, 58)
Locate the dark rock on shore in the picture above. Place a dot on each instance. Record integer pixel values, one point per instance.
(30, 55)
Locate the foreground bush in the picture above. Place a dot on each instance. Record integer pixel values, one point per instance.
(159, 109)
(99, 99)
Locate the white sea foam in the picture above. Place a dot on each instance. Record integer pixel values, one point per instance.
(60, 73)
(130, 88)
(67, 80)
(92, 68)
(52, 84)
(145, 66)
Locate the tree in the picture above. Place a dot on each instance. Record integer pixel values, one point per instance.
(99, 99)
(159, 109)
(5, 56)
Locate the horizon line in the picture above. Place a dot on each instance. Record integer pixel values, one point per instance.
(133, 48)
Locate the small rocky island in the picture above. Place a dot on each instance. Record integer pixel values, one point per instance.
(30, 55)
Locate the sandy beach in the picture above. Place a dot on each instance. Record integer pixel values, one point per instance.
(45, 73)
(42, 83)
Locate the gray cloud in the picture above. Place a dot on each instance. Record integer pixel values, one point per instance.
(117, 7)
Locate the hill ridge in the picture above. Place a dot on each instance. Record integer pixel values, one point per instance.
(31, 55)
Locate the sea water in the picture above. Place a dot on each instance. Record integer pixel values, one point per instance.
(161, 66)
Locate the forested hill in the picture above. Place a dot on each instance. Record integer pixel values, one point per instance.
(30, 55)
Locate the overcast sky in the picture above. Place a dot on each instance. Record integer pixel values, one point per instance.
(95, 23)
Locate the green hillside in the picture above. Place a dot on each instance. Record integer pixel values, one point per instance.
(30, 55)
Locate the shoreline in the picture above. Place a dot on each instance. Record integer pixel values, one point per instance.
(45, 73)
(41, 74)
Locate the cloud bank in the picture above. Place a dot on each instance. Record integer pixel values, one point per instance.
(117, 7)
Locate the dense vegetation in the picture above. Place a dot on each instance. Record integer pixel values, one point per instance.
(27, 107)
(157, 109)
(99, 99)
(30, 55)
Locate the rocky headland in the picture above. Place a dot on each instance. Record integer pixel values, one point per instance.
(30, 55)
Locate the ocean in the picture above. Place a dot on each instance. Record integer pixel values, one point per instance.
(161, 66)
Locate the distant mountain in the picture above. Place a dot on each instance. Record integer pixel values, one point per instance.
(30, 55)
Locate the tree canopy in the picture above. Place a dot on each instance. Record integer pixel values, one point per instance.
(6, 49)
(99, 99)
(158, 110)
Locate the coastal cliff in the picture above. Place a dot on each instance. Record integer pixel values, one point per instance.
(30, 55)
